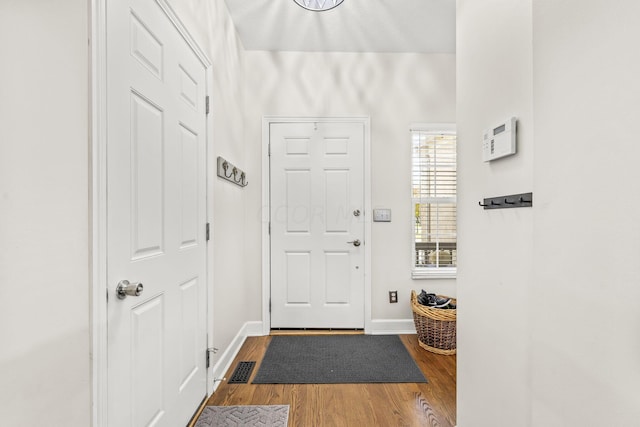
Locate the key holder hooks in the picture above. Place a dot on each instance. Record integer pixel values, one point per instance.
(522, 200)
(236, 176)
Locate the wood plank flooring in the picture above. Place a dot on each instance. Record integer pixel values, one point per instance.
(432, 404)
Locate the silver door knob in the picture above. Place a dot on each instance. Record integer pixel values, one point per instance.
(355, 242)
(125, 288)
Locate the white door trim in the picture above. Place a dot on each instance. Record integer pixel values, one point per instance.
(98, 200)
(266, 208)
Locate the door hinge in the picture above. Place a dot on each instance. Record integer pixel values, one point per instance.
(269, 150)
(269, 229)
(208, 358)
(269, 305)
(208, 233)
(206, 104)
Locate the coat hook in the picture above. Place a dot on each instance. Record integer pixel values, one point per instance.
(225, 166)
(522, 200)
(493, 203)
(240, 179)
(508, 202)
(480, 203)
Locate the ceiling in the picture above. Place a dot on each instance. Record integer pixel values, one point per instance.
(424, 26)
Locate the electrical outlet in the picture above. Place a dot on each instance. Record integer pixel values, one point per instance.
(393, 297)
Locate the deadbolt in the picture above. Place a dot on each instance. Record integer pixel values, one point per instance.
(356, 212)
(125, 289)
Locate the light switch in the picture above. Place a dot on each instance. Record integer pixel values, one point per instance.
(382, 215)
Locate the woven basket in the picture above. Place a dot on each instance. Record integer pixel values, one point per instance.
(436, 327)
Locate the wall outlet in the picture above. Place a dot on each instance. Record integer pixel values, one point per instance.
(393, 297)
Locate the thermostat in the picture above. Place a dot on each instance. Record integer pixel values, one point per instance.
(499, 141)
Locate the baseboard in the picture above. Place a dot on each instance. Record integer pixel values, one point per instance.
(249, 329)
(392, 326)
(253, 329)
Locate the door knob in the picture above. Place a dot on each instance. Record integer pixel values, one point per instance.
(355, 242)
(125, 288)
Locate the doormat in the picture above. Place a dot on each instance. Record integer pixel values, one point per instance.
(242, 373)
(245, 416)
(337, 359)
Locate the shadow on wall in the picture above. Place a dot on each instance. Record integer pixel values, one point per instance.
(309, 82)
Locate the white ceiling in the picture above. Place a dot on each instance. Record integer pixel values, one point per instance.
(424, 26)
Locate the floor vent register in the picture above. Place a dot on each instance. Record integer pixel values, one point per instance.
(242, 373)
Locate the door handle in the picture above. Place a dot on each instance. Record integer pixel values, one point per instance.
(125, 288)
(355, 242)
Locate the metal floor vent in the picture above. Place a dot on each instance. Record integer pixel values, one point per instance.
(242, 373)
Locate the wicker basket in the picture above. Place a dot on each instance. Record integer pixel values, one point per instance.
(436, 327)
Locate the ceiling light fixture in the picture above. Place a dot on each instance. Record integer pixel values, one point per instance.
(318, 5)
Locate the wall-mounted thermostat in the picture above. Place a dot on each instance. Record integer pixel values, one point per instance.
(499, 141)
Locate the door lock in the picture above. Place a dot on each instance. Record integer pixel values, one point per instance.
(125, 289)
(355, 242)
(356, 212)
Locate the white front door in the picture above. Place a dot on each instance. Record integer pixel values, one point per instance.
(317, 224)
(156, 215)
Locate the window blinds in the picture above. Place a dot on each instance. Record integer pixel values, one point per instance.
(433, 186)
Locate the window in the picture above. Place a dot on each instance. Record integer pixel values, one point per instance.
(433, 193)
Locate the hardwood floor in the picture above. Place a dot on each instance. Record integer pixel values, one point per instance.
(432, 404)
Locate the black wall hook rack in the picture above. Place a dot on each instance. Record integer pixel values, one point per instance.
(522, 200)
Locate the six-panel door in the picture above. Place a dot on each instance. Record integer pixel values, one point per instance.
(317, 196)
(156, 185)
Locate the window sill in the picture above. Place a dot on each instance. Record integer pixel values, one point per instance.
(427, 273)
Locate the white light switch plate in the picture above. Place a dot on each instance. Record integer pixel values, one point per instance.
(382, 215)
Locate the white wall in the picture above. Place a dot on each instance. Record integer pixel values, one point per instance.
(539, 342)
(394, 90)
(236, 299)
(586, 300)
(494, 78)
(44, 213)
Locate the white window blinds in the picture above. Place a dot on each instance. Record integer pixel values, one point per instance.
(433, 188)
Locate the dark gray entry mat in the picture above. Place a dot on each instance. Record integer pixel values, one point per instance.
(337, 359)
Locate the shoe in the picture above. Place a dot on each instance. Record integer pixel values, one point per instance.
(422, 298)
(432, 300)
(437, 302)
